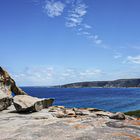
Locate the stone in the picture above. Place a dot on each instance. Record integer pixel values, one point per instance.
(56, 108)
(84, 112)
(103, 113)
(115, 124)
(118, 116)
(26, 103)
(59, 114)
(5, 101)
(79, 113)
(94, 109)
(22, 103)
(70, 113)
(44, 125)
(8, 85)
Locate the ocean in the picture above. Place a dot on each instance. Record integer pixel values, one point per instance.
(110, 99)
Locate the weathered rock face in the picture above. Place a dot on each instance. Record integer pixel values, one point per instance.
(118, 116)
(5, 100)
(60, 123)
(26, 103)
(8, 85)
(22, 101)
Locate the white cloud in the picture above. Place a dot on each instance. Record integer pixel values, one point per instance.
(75, 75)
(70, 1)
(93, 72)
(98, 41)
(134, 59)
(35, 76)
(75, 16)
(86, 33)
(76, 11)
(44, 76)
(95, 39)
(87, 26)
(53, 8)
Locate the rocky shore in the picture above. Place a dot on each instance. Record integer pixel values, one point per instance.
(60, 123)
(23, 117)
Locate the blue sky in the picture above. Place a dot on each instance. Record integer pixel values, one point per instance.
(50, 42)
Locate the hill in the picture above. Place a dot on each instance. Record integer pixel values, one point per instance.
(126, 83)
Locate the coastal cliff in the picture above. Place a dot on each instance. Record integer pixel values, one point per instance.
(125, 83)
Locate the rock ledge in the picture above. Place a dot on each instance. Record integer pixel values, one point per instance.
(60, 123)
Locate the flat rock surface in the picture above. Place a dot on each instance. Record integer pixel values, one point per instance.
(46, 125)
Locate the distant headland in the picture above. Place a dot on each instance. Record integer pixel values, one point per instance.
(120, 83)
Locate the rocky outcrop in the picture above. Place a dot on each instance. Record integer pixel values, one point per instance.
(8, 85)
(25, 103)
(60, 123)
(22, 101)
(118, 116)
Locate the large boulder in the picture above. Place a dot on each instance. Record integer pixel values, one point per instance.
(5, 100)
(26, 103)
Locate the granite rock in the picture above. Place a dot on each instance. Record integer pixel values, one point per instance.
(44, 125)
(5, 100)
(118, 116)
(26, 103)
(8, 85)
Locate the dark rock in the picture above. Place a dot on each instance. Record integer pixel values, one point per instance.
(115, 124)
(118, 116)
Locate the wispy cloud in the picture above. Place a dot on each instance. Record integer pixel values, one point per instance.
(35, 76)
(75, 19)
(74, 75)
(53, 8)
(46, 76)
(86, 26)
(93, 38)
(133, 59)
(52, 76)
(76, 14)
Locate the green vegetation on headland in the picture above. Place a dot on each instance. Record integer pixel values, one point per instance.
(135, 113)
(120, 83)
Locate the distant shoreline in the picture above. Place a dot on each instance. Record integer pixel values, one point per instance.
(120, 83)
(72, 87)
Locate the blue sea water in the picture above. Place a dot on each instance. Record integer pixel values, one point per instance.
(111, 99)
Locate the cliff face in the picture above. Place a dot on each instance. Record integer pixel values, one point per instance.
(116, 83)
